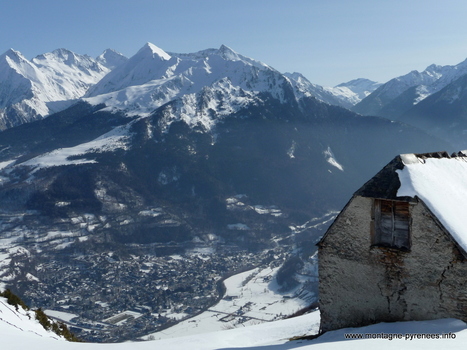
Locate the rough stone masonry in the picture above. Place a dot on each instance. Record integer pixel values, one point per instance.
(362, 284)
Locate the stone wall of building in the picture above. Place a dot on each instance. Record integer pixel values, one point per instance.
(361, 284)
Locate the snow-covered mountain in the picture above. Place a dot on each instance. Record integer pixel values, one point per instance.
(152, 77)
(355, 90)
(31, 90)
(442, 114)
(399, 94)
(69, 75)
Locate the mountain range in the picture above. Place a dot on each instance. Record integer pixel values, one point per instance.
(31, 90)
(137, 184)
(432, 100)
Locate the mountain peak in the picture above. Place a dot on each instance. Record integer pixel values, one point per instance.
(155, 51)
(433, 67)
(295, 75)
(227, 53)
(62, 52)
(14, 55)
(358, 81)
(11, 52)
(111, 59)
(61, 55)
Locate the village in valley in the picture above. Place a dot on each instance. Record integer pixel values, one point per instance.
(173, 295)
(106, 298)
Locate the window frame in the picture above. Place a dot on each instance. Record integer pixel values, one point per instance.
(391, 224)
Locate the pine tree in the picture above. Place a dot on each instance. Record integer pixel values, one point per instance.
(13, 299)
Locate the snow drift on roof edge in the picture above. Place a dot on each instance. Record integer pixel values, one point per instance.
(441, 183)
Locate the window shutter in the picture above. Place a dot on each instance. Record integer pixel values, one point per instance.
(392, 223)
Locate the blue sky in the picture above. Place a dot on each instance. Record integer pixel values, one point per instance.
(329, 41)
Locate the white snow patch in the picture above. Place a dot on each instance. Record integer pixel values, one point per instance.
(291, 150)
(32, 278)
(114, 139)
(154, 212)
(410, 158)
(329, 156)
(272, 210)
(3, 165)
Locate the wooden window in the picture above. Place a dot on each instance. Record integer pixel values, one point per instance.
(391, 224)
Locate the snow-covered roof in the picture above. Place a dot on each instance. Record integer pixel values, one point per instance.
(441, 183)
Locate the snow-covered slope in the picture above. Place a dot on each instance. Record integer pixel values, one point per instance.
(69, 75)
(19, 330)
(21, 325)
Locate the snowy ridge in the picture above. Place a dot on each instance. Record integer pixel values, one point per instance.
(198, 109)
(396, 86)
(52, 81)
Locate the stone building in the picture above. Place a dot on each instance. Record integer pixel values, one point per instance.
(397, 251)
